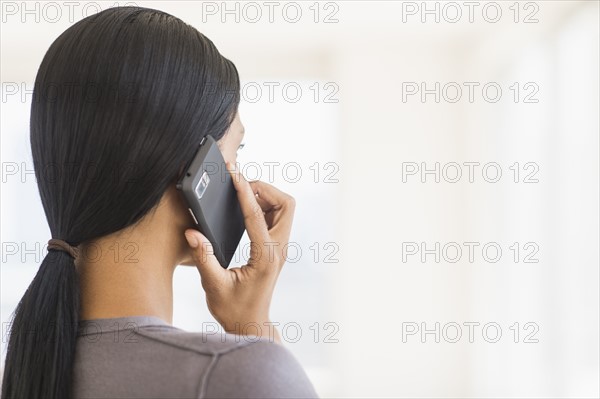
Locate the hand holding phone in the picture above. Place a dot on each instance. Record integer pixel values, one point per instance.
(240, 297)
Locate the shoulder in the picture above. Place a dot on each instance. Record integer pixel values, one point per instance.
(258, 369)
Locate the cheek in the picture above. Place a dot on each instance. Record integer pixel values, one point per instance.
(226, 151)
(229, 155)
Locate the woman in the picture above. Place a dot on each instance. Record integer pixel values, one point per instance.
(121, 100)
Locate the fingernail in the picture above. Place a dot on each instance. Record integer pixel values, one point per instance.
(191, 239)
(230, 166)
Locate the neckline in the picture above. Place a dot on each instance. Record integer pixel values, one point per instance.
(95, 326)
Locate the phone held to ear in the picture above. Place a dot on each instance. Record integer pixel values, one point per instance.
(212, 200)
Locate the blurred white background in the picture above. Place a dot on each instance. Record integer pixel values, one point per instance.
(378, 108)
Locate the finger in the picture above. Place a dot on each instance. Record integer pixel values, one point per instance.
(271, 194)
(254, 218)
(281, 204)
(264, 205)
(203, 255)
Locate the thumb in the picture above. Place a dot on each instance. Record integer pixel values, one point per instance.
(203, 255)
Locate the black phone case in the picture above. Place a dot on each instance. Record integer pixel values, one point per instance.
(212, 200)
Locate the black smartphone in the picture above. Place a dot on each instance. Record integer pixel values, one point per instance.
(212, 200)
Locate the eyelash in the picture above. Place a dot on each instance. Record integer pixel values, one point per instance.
(241, 146)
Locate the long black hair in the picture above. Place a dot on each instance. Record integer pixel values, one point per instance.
(121, 101)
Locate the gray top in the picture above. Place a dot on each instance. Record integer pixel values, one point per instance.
(143, 356)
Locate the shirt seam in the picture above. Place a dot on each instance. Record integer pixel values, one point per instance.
(204, 381)
(193, 349)
(83, 334)
(216, 357)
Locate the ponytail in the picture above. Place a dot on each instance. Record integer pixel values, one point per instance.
(43, 333)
